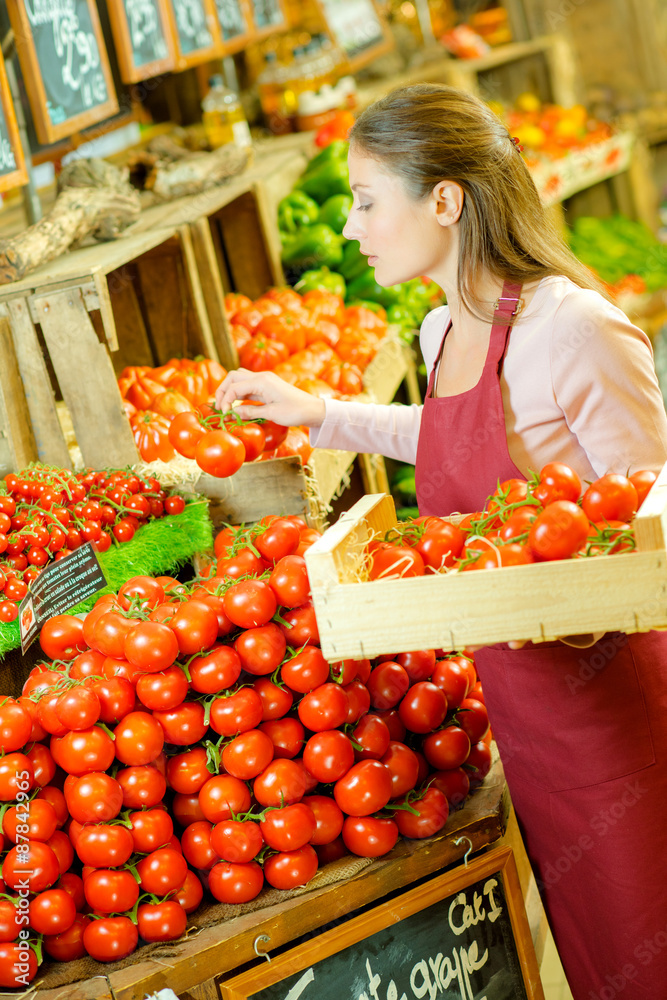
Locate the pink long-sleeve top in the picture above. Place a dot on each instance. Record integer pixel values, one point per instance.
(578, 386)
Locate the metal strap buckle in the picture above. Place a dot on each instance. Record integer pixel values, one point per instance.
(517, 303)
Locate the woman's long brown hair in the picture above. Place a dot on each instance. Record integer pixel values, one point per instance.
(427, 133)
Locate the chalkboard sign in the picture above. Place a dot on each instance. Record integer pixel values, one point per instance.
(358, 28)
(268, 16)
(64, 64)
(462, 934)
(12, 164)
(235, 23)
(142, 38)
(195, 31)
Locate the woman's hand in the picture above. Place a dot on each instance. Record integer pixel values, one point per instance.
(283, 403)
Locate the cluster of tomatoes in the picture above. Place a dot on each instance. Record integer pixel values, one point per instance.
(523, 522)
(191, 737)
(46, 513)
(312, 340)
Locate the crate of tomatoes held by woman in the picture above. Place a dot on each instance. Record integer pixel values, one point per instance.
(561, 564)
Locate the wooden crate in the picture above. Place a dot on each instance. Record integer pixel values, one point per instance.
(543, 601)
(282, 485)
(193, 966)
(72, 325)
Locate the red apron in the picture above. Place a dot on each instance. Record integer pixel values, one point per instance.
(581, 732)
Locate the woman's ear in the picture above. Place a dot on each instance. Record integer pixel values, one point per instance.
(448, 202)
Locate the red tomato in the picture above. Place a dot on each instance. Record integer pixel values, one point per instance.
(557, 482)
(196, 627)
(479, 760)
(369, 836)
(288, 869)
(151, 646)
(230, 882)
(219, 453)
(162, 871)
(389, 561)
(305, 671)
(276, 699)
(150, 829)
(279, 539)
(165, 921)
(237, 840)
(473, 718)
(35, 866)
(103, 846)
(288, 828)
(433, 811)
(190, 894)
(559, 531)
(365, 789)
(94, 798)
(221, 796)
(163, 690)
(283, 782)
(418, 664)
(404, 767)
(372, 736)
(17, 964)
(82, 752)
(642, 482)
(248, 754)
(139, 738)
(358, 700)
(289, 581)
(9, 921)
(214, 670)
(250, 603)
(187, 772)
(454, 783)
(251, 436)
(328, 755)
(440, 545)
(446, 748)
(328, 818)
(143, 785)
(185, 433)
(61, 637)
(110, 939)
(236, 712)
(37, 819)
(184, 724)
(325, 707)
(15, 725)
(196, 845)
(452, 680)
(79, 708)
(610, 498)
(301, 626)
(387, 684)
(261, 649)
(423, 708)
(287, 736)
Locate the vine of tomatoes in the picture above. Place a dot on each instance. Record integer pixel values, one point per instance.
(188, 744)
(47, 512)
(547, 517)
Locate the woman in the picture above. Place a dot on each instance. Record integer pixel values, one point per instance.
(528, 364)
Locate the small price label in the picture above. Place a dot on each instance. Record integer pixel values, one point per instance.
(59, 587)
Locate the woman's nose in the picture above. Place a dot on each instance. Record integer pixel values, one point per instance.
(350, 231)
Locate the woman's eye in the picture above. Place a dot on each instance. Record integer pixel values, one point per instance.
(364, 208)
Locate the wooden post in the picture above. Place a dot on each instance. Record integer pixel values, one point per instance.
(43, 416)
(87, 380)
(17, 443)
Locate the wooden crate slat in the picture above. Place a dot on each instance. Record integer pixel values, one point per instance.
(17, 443)
(245, 245)
(651, 520)
(257, 488)
(207, 345)
(213, 292)
(43, 416)
(86, 377)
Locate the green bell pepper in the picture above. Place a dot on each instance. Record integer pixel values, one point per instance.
(322, 278)
(367, 304)
(313, 246)
(354, 263)
(366, 287)
(295, 211)
(336, 150)
(402, 316)
(328, 178)
(335, 210)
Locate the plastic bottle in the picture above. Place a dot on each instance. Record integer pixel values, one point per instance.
(271, 87)
(223, 117)
(292, 85)
(316, 109)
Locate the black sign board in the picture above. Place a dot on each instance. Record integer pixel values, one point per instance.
(461, 935)
(59, 587)
(235, 23)
(64, 63)
(12, 164)
(268, 15)
(358, 29)
(141, 37)
(195, 31)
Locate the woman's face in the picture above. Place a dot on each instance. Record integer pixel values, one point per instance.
(400, 235)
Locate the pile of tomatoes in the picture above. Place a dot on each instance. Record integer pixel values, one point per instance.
(184, 740)
(313, 340)
(538, 520)
(46, 513)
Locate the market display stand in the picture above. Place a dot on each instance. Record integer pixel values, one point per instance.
(193, 967)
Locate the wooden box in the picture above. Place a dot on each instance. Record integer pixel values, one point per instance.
(543, 601)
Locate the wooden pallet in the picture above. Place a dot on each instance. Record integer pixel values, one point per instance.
(193, 967)
(543, 601)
